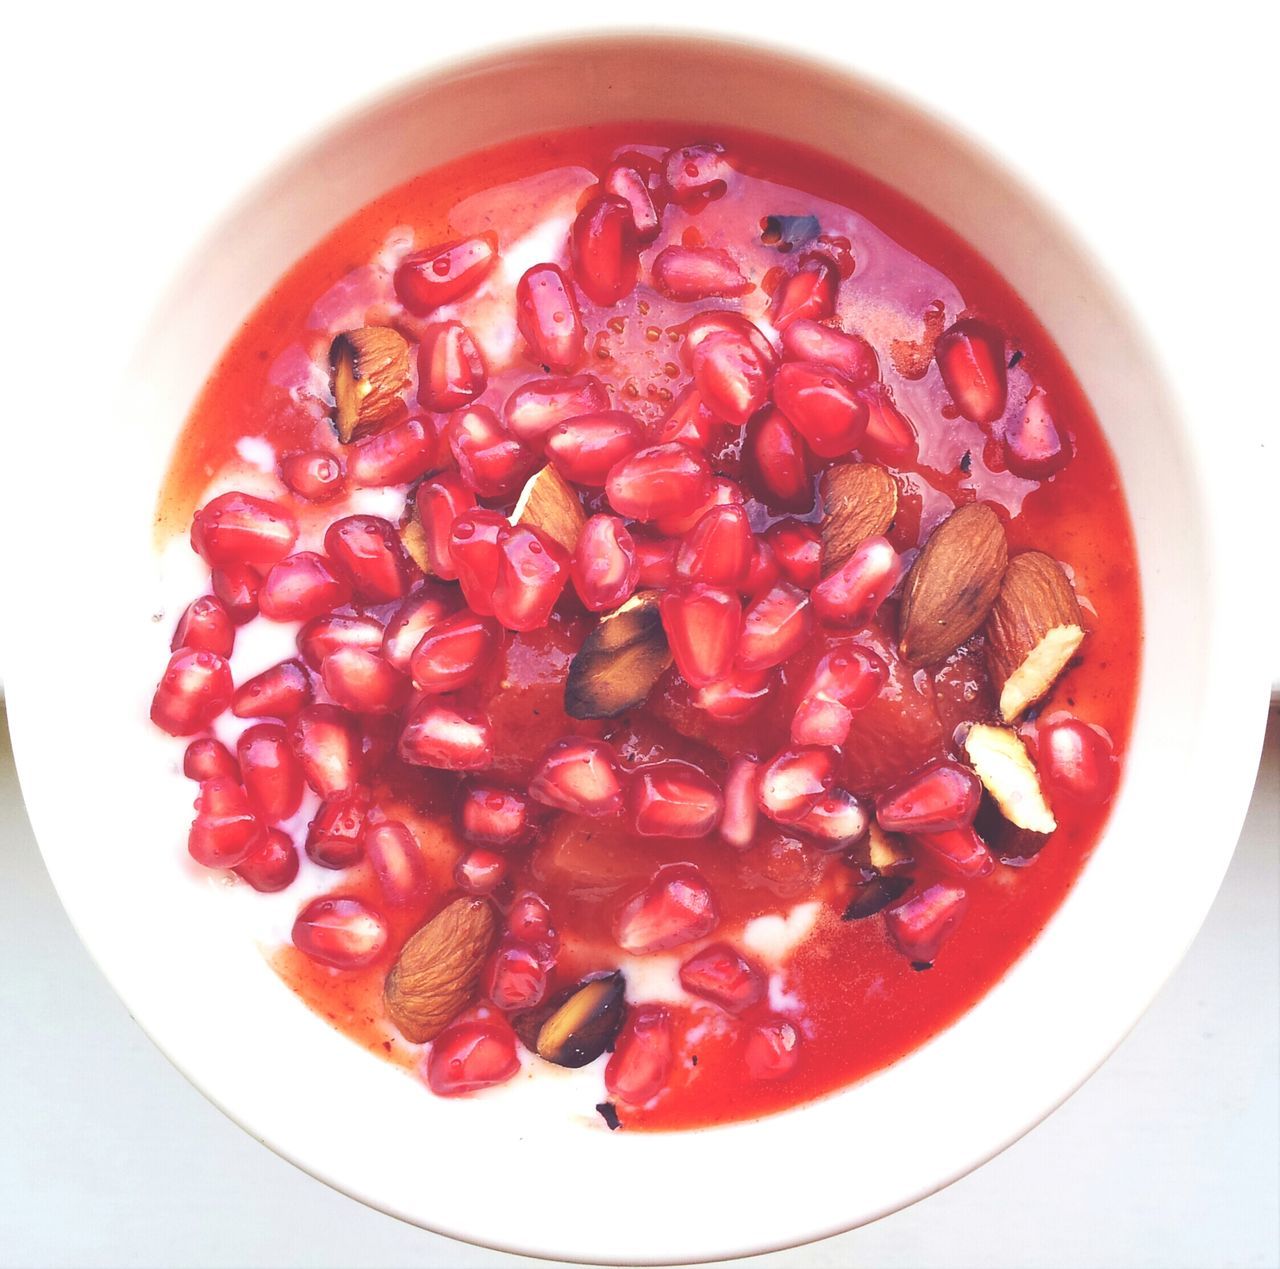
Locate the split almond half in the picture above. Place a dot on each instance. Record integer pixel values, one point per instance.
(859, 501)
(549, 504)
(1033, 630)
(619, 661)
(413, 537)
(368, 370)
(1005, 768)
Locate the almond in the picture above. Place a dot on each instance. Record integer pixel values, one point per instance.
(619, 661)
(912, 357)
(952, 584)
(548, 503)
(435, 975)
(368, 370)
(859, 501)
(1003, 765)
(885, 851)
(413, 538)
(1033, 630)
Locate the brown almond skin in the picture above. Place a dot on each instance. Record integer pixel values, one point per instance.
(952, 584)
(859, 501)
(435, 975)
(551, 506)
(368, 369)
(619, 661)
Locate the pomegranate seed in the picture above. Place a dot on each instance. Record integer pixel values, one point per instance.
(327, 742)
(206, 758)
(778, 462)
(922, 922)
(959, 850)
(640, 1065)
(823, 406)
(279, 692)
(529, 921)
(604, 249)
(395, 456)
(718, 549)
(697, 273)
(533, 570)
(548, 318)
(450, 737)
(335, 838)
(792, 783)
(534, 408)
(205, 626)
(195, 689)
(366, 551)
(1034, 446)
(849, 355)
(605, 569)
(970, 355)
(271, 774)
(440, 501)
(313, 475)
(846, 680)
(363, 682)
(301, 587)
(809, 294)
(480, 871)
(731, 376)
(942, 796)
(674, 799)
(772, 1050)
(473, 547)
(765, 571)
(835, 821)
(492, 815)
(722, 975)
(655, 562)
(852, 595)
(1076, 761)
(237, 586)
(675, 908)
(421, 612)
(396, 858)
(454, 652)
(703, 624)
(490, 460)
(658, 481)
(340, 933)
(579, 775)
(324, 635)
(272, 865)
(718, 320)
(741, 805)
(696, 173)
(237, 528)
(775, 627)
(469, 1056)
(723, 493)
(797, 547)
(440, 275)
(627, 184)
(225, 829)
(451, 371)
(514, 977)
(890, 436)
(584, 449)
(735, 696)
(688, 421)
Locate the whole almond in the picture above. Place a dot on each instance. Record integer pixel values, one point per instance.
(859, 501)
(952, 584)
(368, 370)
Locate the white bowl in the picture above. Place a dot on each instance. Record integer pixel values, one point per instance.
(523, 1175)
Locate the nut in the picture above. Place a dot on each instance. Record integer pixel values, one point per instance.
(548, 503)
(368, 369)
(885, 851)
(1033, 630)
(413, 538)
(912, 357)
(859, 501)
(952, 584)
(435, 975)
(586, 1023)
(1003, 765)
(619, 661)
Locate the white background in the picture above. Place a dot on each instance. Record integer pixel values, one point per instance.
(128, 129)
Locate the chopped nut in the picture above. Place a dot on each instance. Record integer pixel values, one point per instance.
(586, 1023)
(619, 661)
(368, 369)
(859, 501)
(1006, 771)
(549, 503)
(414, 538)
(885, 852)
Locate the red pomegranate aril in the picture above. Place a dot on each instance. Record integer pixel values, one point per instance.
(195, 688)
(270, 772)
(239, 528)
(890, 436)
(737, 695)
(715, 321)
(396, 859)
(658, 481)
(777, 462)
(548, 317)
(655, 562)
(844, 681)
(451, 370)
(272, 865)
(454, 652)
(718, 549)
(673, 799)
(366, 551)
(703, 625)
(226, 828)
(772, 1050)
(605, 569)
(958, 850)
(604, 249)
(675, 908)
(584, 449)
(1034, 446)
(493, 815)
(808, 294)
(579, 775)
(970, 355)
(340, 932)
(205, 626)
(205, 758)
(696, 173)
(363, 682)
(688, 421)
(698, 273)
(301, 587)
(835, 821)
(640, 1065)
(278, 692)
(1075, 761)
(480, 871)
(427, 279)
(721, 974)
(730, 375)
(823, 406)
(627, 184)
(798, 549)
(852, 595)
(449, 736)
(440, 501)
(922, 922)
(529, 921)
(396, 456)
(533, 570)
(314, 475)
(791, 784)
(323, 635)
(741, 807)
(514, 977)
(849, 355)
(775, 627)
(469, 1056)
(335, 838)
(534, 408)
(473, 548)
(421, 612)
(722, 493)
(765, 571)
(490, 460)
(943, 796)
(238, 587)
(328, 744)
